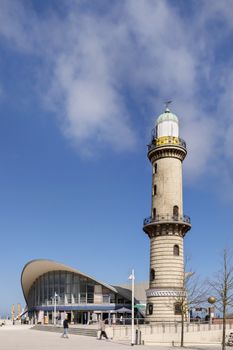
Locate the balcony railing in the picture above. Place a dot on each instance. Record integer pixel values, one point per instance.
(167, 218)
(166, 140)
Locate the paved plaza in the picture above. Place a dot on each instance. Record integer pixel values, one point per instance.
(23, 338)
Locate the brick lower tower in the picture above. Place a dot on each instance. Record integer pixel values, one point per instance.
(167, 225)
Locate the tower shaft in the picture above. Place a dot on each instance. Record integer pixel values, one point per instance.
(167, 226)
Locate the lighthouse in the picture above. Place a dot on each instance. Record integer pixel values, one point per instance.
(167, 225)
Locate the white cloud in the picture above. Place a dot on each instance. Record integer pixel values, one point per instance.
(90, 60)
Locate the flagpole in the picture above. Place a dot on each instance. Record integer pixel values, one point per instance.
(132, 277)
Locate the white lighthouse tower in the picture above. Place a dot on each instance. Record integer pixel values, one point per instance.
(167, 225)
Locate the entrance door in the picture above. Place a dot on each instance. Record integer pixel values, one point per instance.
(68, 316)
(105, 315)
(82, 317)
(85, 317)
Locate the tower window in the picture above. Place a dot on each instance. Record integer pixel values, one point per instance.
(155, 190)
(175, 212)
(149, 309)
(177, 309)
(152, 274)
(176, 250)
(155, 168)
(154, 213)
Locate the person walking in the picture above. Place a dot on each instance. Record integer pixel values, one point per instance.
(102, 330)
(65, 328)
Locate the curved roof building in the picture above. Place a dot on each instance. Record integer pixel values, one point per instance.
(47, 284)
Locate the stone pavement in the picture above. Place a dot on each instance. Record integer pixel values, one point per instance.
(23, 338)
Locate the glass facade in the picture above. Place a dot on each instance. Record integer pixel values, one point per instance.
(54, 292)
(71, 288)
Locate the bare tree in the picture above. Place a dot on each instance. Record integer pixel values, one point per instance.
(193, 294)
(222, 289)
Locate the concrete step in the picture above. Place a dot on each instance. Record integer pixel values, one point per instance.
(90, 332)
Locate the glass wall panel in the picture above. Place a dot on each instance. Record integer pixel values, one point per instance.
(56, 277)
(70, 288)
(112, 298)
(90, 293)
(106, 298)
(62, 277)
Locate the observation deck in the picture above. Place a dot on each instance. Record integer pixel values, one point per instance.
(166, 146)
(167, 140)
(162, 223)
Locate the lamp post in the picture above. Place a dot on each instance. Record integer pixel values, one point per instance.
(55, 308)
(132, 278)
(211, 300)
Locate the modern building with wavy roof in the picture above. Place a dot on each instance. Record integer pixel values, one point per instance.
(51, 288)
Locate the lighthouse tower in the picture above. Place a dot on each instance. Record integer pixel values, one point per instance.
(167, 225)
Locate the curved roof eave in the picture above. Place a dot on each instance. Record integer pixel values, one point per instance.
(35, 268)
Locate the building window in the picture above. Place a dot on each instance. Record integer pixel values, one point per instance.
(90, 293)
(149, 309)
(154, 213)
(106, 298)
(155, 168)
(175, 212)
(152, 274)
(177, 309)
(155, 190)
(112, 298)
(120, 300)
(176, 250)
(83, 291)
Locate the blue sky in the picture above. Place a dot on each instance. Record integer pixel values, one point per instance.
(81, 85)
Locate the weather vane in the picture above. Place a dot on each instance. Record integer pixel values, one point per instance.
(167, 103)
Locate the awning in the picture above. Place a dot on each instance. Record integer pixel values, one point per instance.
(123, 310)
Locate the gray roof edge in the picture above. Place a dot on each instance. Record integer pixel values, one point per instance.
(57, 264)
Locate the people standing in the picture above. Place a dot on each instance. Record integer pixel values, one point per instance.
(65, 328)
(102, 330)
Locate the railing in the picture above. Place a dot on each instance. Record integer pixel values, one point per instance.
(166, 140)
(167, 217)
(142, 320)
(123, 321)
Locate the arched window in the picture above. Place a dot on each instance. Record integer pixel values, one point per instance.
(152, 274)
(149, 309)
(176, 250)
(155, 190)
(175, 211)
(177, 308)
(154, 213)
